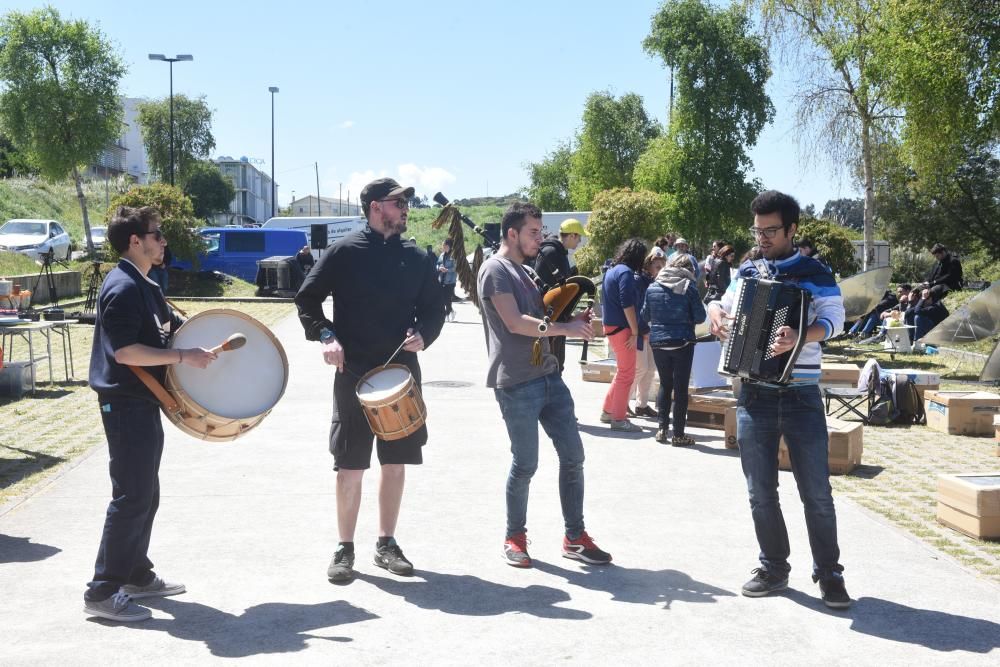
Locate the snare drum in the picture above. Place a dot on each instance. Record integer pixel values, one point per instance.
(237, 390)
(392, 402)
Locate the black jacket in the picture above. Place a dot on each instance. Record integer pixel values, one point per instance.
(552, 264)
(947, 271)
(380, 289)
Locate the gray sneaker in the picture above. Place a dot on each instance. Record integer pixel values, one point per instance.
(625, 426)
(157, 588)
(342, 566)
(605, 417)
(119, 607)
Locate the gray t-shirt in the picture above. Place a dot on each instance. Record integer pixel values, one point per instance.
(510, 354)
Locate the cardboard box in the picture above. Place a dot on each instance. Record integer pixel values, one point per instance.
(16, 378)
(846, 447)
(839, 375)
(598, 370)
(970, 503)
(924, 380)
(714, 410)
(962, 412)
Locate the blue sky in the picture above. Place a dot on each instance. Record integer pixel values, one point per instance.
(451, 96)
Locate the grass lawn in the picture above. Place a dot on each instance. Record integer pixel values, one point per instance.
(46, 431)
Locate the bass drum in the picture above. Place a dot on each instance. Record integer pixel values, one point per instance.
(237, 390)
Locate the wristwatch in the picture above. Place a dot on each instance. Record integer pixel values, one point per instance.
(326, 334)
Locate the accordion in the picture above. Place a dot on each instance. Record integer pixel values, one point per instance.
(763, 307)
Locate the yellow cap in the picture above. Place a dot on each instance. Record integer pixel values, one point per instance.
(572, 226)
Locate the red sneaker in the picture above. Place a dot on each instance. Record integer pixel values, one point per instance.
(515, 550)
(583, 548)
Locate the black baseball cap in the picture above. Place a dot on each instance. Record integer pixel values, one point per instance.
(383, 188)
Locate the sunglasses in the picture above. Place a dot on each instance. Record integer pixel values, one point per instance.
(400, 203)
(157, 234)
(764, 232)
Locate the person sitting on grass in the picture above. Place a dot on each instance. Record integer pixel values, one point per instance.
(928, 313)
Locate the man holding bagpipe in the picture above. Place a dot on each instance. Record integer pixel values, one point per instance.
(788, 403)
(525, 379)
(553, 268)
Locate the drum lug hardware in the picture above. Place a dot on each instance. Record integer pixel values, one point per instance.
(395, 408)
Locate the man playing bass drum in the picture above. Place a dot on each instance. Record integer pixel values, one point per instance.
(767, 412)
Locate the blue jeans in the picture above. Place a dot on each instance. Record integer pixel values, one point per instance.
(865, 325)
(924, 325)
(135, 442)
(674, 369)
(545, 400)
(763, 416)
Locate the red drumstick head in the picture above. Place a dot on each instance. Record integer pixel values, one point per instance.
(234, 342)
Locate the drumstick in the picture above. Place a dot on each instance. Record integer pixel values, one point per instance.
(234, 342)
(393, 356)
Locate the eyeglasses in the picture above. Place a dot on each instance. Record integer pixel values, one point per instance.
(157, 234)
(400, 203)
(764, 232)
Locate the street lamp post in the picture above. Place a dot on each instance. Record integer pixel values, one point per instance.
(274, 186)
(178, 58)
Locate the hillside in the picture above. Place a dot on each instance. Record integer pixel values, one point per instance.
(36, 198)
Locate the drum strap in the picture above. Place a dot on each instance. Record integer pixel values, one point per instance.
(162, 395)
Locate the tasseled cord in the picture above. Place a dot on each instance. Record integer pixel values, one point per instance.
(536, 352)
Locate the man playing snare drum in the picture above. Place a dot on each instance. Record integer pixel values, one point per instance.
(385, 293)
(134, 326)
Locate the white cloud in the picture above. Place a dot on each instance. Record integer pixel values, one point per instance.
(427, 180)
(346, 124)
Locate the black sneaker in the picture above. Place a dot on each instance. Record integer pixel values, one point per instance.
(764, 583)
(834, 593)
(390, 557)
(342, 566)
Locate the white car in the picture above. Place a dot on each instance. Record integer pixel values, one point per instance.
(98, 235)
(35, 238)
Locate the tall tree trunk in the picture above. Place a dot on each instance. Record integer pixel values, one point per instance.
(866, 157)
(83, 208)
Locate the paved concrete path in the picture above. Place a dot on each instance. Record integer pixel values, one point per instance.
(249, 527)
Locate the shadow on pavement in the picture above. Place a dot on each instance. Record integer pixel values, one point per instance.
(466, 595)
(273, 627)
(936, 630)
(604, 431)
(637, 585)
(22, 550)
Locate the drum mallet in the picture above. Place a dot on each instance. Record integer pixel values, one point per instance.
(234, 342)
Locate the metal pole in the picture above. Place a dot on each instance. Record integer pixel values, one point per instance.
(274, 186)
(319, 202)
(340, 200)
(171, 122)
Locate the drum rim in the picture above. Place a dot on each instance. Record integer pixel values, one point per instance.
(172, 385)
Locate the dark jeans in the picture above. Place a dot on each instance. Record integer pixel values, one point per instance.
(448, 295)
(924, 325)
(674, 368)
(908, 318)
(546, 400)
(865, 325)
(135, 442)
(763, 416)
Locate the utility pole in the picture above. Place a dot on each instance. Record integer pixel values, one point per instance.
(340, 200)
(319, 202)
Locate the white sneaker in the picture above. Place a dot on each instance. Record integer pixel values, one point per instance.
(157, 588)
(118, 607)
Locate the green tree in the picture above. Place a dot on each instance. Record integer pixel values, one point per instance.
(210, 191)
(940, 60)
(845, 212)
(832, 243)
(193, 138)
(615, 133)
(619, 214)
(721, 107)
(549, 187)
(843, 101)
(60, 102)
(12, 161)
(177, 213)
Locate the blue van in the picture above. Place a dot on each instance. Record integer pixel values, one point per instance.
(235, 251)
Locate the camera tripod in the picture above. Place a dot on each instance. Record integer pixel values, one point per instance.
(48, 260)
(93, 287)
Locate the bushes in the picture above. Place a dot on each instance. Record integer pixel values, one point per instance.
(179, 224)
(617, 215)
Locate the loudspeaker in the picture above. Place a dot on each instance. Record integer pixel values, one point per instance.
(318, 234)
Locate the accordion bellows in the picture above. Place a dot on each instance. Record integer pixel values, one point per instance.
(761, 308)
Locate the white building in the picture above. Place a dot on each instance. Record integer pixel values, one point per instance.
(127, 155)
(325, 206)
(252, 204)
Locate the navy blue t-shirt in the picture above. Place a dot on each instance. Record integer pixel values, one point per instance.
(130, 309)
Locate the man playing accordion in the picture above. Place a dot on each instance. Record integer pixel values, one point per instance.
(767, 412)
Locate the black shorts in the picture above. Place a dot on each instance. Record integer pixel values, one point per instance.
(350, 435)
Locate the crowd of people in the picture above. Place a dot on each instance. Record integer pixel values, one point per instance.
(388, 295)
